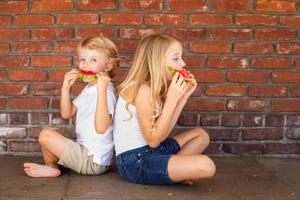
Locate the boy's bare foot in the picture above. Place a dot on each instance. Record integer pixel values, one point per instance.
(37, 170)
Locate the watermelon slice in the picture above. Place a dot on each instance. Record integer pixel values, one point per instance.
(183, 73)
(87, 75)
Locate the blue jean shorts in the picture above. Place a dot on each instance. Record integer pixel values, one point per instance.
(145, 165)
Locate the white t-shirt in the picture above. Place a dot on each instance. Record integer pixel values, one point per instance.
(99, 145)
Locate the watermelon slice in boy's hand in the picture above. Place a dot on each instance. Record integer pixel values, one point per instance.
(183, 73)
(87, 75)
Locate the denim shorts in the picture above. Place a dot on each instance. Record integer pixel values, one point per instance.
(145, 165)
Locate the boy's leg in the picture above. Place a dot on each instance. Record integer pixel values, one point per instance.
(52, 145)
(192, 142)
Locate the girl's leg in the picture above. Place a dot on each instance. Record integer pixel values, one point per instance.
(52, 145)
(190, 167)
(192, 142)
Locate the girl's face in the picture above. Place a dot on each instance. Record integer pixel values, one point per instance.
(174, 59)
(91, 60)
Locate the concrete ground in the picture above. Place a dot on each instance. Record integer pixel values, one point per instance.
(237, 178)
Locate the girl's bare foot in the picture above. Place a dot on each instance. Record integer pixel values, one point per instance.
(188, 182)
(37, 170)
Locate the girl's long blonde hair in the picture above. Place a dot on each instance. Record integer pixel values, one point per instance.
(148, 67)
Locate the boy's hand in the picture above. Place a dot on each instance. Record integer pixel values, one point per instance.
(70, 78)
(102, 81)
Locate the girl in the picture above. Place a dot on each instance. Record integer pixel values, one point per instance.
(148, 107)
(94, 107)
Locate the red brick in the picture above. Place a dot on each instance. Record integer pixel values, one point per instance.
(18, 119)
(210, 19)
(56, 119)
(4, 47)
(295, 91)
(253, 48)
(268, 91)
(230, 33)
(2, 75)
(210, 47)
(14, 34)
(205, 105)
(275, 5)
(231, 120)
(55, 104)
(291, 20)
(32, 47)
(288, 48)
(5, 20)
(274, 120)
(14, 61)
(94, 31)
(165, 19)
(247, 76)
(286, 77)
(187, 5)
(286, 105)
(57, 75)
(293, 133)
(82, 18)
(274, 34)
(34, 20)
(255, 19)
(283, 148)
(46, 89)
(52, 33)
(24, 146)
(225, 90)
(230, 5)
(209, 76)
(187, 34)
(121, 19)
(51, 5)
(250, 120)
(51, 61)
(3, 118)
(272, 63)
(188, 119)
(213, 148)
(2, 103)
(141, 5)
(239, 148)
(3, 146)
(13, 132)
(66, 46)
(210, 120)
(247, 105)
(13, 6)
(28, 103)
(96, 5)
(227, 62)
(136, 33)
(125, 61)
(218, 134)
(13, 89)
(293, 120)
(262, 134)
(298, 63)
(34, 132)
(194, 62)
(27, 75)
(126, 46)
(39, 118)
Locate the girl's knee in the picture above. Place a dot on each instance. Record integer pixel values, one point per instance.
(203, 135)
(45, 135)
(207, 167)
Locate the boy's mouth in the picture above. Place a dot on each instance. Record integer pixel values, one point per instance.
(87, 75)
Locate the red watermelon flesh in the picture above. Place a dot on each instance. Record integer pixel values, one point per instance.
(183, 73)
(87, 75)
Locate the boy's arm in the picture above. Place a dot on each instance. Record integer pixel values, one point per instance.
(102, 116)
(67, 108)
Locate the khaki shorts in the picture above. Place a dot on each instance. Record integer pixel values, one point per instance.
(75, 157)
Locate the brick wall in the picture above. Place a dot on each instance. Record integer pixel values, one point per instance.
(244, 54)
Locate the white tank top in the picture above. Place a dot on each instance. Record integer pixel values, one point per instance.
(127, 134)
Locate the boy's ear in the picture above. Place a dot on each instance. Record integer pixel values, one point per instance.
(108, 67)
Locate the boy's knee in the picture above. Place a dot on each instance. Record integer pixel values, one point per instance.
(45, 135)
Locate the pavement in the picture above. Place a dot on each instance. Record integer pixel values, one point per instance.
(237, 178)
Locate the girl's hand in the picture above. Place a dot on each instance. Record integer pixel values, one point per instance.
(190, 89)
(177, 88)
(102, 81)
(70, 78)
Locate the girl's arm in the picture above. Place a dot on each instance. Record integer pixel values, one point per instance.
(102, 117)
(164, 123)
(67, 108)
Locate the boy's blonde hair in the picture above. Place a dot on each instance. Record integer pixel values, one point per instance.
(149, 65)
(107, 47)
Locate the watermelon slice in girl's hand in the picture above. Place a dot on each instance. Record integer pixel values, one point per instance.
(87, 75)
(183, 73)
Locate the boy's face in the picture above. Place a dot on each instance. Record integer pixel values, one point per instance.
(174, 59)
(91, 60)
